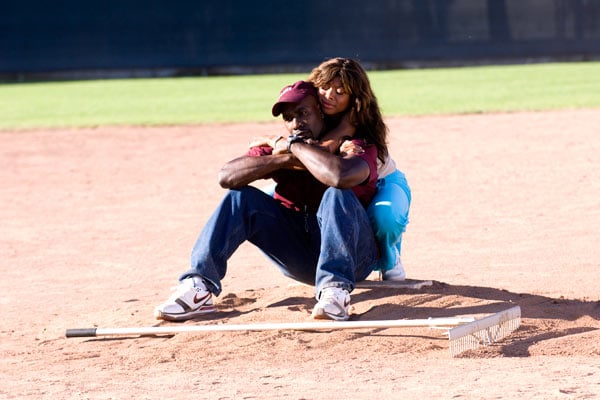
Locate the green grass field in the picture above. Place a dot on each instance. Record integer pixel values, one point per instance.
(249, 98)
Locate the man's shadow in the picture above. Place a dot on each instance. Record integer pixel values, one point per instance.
(476, 300)
(532, 306)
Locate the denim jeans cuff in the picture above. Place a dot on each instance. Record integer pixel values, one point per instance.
(343, 285)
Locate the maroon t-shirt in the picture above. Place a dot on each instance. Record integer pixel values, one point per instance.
(301, 191)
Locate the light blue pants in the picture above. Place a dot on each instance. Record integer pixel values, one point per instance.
(388, 213)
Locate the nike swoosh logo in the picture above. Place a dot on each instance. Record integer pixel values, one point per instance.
(197, 300)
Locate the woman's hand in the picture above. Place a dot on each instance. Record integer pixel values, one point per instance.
(349, 148)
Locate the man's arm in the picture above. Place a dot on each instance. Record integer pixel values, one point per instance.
(332, 170)
(247, 169)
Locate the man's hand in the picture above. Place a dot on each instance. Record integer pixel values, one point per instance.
(270, 141)
(277, 143)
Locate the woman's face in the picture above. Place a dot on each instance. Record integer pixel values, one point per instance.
(333, 97)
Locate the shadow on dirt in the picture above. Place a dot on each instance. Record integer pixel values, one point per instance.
(544, 319)
(532, 306)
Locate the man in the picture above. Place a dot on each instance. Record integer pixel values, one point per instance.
(315, 227)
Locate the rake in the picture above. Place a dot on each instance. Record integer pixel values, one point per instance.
(485, 331)
(468, 333)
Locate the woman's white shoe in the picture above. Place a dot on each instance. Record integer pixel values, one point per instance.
(395, 274)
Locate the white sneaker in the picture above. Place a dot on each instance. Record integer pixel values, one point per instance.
(397, 273)
(334, 303)
(188, 301)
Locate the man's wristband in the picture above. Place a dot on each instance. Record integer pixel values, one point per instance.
(291, 140)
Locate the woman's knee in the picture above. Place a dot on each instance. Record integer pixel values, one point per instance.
(387, 220)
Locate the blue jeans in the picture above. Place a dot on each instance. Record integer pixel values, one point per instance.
(388, 213)
(336, 247)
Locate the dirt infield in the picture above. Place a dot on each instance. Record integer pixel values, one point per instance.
(98, 223)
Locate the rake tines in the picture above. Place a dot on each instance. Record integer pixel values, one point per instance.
(485, 331)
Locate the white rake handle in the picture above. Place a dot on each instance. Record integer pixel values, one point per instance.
(168, 330)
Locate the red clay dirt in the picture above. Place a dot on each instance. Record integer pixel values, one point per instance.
(97, 224)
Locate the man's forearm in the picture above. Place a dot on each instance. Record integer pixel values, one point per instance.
(245, 170)
(330, 169)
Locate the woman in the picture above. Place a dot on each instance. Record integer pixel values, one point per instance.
(349, 105)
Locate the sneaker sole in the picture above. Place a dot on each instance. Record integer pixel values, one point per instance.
(394, 278)
(184, 316)
(319, 313)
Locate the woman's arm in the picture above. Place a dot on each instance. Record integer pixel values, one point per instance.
(332, 140)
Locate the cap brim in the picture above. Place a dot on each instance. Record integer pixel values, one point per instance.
(277, 108)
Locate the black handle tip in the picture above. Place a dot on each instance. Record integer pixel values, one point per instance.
(85, 332)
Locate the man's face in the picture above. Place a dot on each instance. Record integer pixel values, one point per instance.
(303, 118)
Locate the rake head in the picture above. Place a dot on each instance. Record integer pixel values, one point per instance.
(485, 331)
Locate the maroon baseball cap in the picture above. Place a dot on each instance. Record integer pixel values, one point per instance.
(293, 94)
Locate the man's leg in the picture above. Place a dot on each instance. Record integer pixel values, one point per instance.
(249, 214)
(348, 246)
(244, 214)
(348, 252)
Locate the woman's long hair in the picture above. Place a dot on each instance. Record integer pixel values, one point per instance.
(364, 109)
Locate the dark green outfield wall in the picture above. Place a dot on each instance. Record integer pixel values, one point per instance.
(183, 36)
